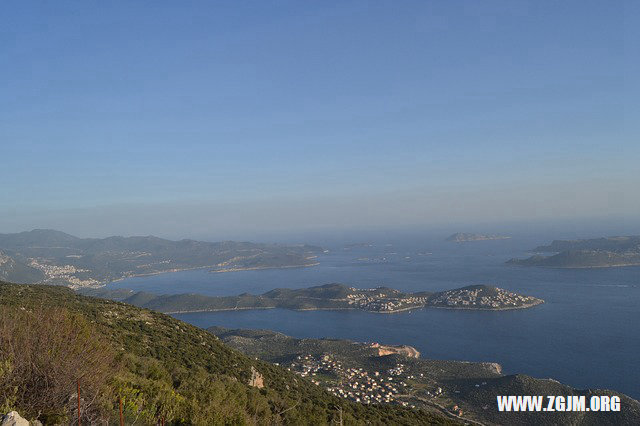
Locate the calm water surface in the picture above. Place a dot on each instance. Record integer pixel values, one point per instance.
(587, 334)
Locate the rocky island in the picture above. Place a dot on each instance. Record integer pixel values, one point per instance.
(589, 253)
(327, 297)
(462, 237)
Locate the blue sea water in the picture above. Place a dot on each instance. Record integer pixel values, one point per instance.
(587, 334)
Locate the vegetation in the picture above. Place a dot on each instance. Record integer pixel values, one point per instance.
(159, 366)
(45, 352)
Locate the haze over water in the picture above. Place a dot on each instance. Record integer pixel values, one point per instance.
(586, 334)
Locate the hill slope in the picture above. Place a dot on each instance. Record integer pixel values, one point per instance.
(167, 368)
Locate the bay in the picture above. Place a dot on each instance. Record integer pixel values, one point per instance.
(586, 334)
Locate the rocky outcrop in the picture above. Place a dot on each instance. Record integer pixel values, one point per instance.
(493, 367)
(13, 419)
(257, 380)
(408, 351)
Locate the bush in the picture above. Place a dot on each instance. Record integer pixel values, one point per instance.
(43, 354)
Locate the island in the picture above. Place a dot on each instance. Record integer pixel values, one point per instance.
(335, 296)
(588, 253)
(462, 237)
(377, 374)
(46, 256)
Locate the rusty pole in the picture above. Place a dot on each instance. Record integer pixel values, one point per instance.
(79, 424)
(121, 416)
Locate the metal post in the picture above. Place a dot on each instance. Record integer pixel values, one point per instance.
(79, 423)
(121, 417)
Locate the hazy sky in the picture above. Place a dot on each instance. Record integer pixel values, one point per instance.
(186, 118)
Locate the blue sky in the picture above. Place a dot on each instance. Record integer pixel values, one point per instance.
(282, 114)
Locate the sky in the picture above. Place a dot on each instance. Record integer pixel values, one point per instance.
(227, 119)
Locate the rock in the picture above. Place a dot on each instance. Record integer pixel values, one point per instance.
(408, 351)
(256, 379)
(13, 419)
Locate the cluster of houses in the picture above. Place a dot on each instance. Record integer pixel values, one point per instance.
(358, 385)
(385, 303)
(355, 384)
(64, 273)
(474, 298)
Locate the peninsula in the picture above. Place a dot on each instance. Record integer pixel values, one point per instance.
(382, 375)
(589, 253)
(327, 297)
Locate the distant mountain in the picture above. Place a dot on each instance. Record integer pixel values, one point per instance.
(462, 237)
(395, 375)
(591, 253)
(37, 238)
(327, 297)
(53, 257)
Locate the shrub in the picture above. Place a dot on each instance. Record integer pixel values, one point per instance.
(44, 353)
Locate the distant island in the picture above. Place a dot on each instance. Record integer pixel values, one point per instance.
(462, 237)
(327, 297)
(52, 257)
(589, 253)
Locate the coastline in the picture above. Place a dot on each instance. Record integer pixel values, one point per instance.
(622, 265)
(412, 308)
(169, 271)
(258, 268)
(509, 308)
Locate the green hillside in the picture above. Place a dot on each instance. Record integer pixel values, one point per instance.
(161, 367)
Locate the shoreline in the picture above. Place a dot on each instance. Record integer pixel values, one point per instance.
(509, 308)
(258, 268)
(624, 265)
(170, 271)
(355, 309)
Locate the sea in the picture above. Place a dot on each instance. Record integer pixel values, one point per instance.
(586, 334)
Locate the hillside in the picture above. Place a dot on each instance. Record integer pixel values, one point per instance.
(589, 253)
(161, 367)
(53, 257)
(430, 384)
(329, 296)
